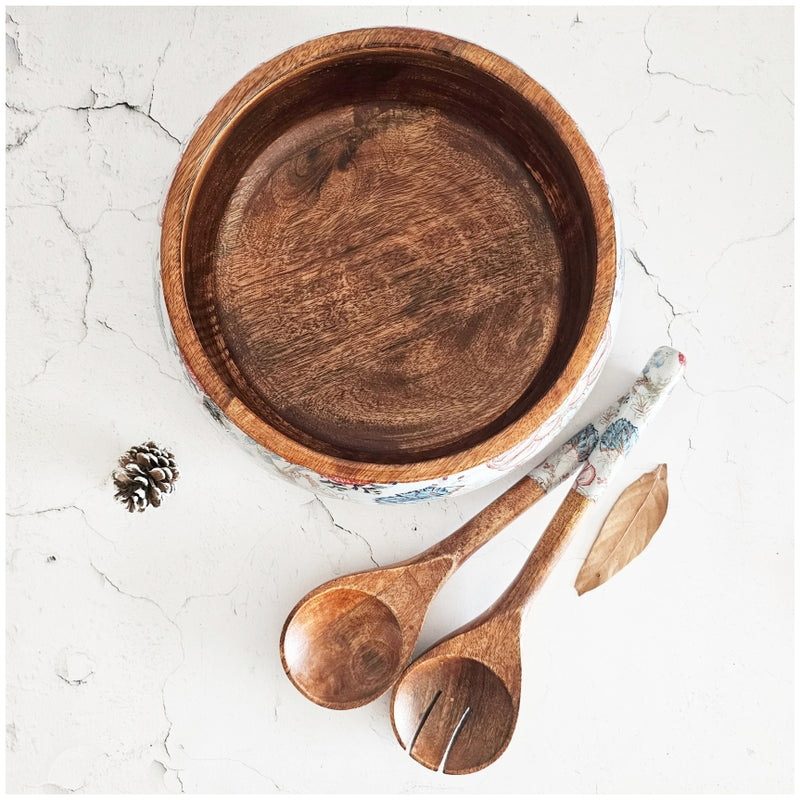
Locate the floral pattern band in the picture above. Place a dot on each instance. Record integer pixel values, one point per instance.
(648, 394)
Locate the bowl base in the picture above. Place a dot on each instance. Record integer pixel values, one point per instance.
(388, 281)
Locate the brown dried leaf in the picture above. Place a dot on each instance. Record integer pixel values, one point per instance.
(628, 529)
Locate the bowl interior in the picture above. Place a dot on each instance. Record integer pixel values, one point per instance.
(389, 256)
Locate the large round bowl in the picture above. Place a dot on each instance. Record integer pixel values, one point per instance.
(388, 258)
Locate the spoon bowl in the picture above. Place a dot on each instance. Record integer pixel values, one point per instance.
(360, 637)
(347, 642)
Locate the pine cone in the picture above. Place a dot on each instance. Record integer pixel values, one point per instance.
(147, 472)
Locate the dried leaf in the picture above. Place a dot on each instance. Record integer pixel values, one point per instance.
(628, 529)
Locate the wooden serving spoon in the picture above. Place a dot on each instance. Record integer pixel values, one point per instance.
(458, 702)
(346, 642)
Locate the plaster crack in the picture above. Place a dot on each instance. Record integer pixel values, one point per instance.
(745, 388)
(697, 84)
(194, 21)
(165, 741)
(257, 771)
(347, 530)
(628, 121)
(177, 772)
(247, 560)
(57, 182)
(140, 214)
(14, 39)
(167, 717)
(212, 596)
(130, 594)
(85, 302)
(635, 201)
(93, 106)
(159, 62)
(135, 110)
(175, 625)
(757, 238)
(22, 135)
(57, 509)
(57, 788)
(38, 511)
(241, 763)
(359, 536)
(618, 129)
(45, 364)
(160, 125)
(89, 271)
(130, 338)
(670, 305)
(75, 681)
(20, 109)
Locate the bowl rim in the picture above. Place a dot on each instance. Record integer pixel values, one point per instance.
(199, 152)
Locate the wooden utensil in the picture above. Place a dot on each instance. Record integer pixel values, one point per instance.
(346, 642)
(458, 703)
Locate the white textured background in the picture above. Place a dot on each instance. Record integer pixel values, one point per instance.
(142, 650)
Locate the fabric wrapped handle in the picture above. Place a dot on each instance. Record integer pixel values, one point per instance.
(565, 461)
(659, 377)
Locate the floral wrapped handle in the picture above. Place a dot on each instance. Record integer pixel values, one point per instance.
(564, 462)
(647, 395)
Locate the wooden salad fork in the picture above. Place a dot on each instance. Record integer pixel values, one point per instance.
(457, 704)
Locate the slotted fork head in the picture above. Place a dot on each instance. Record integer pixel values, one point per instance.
(453, 711)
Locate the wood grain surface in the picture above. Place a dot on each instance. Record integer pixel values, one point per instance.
(347, 641)
(456, 705)
(381, 258)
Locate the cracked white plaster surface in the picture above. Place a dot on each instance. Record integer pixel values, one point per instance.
(142, 649)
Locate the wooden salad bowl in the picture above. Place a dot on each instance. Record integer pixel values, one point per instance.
(388, 257)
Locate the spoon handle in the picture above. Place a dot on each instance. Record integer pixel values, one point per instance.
(555, 468)
(648, 394)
